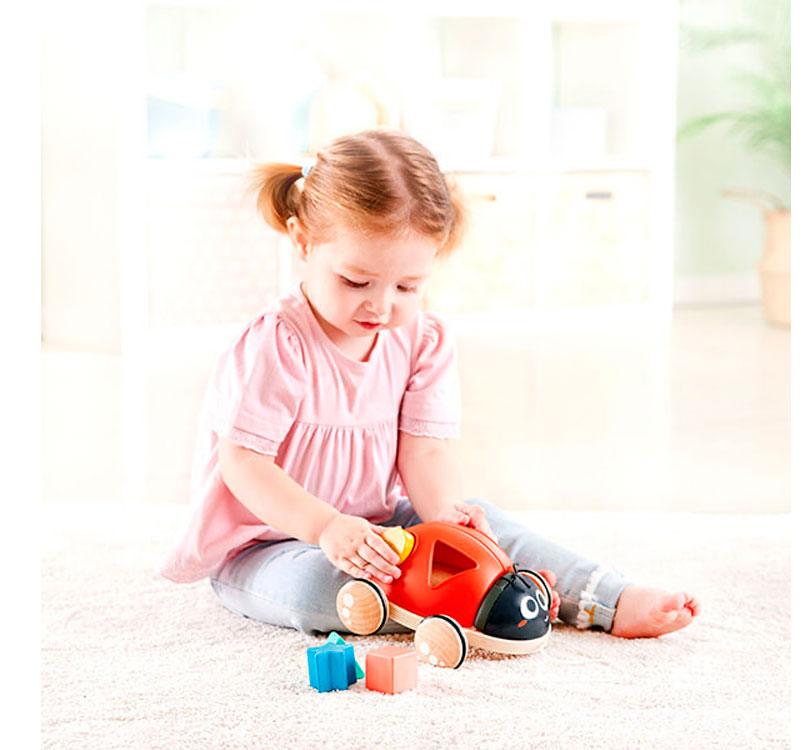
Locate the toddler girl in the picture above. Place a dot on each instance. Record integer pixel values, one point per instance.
(334, 413)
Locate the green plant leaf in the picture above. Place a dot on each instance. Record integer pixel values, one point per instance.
(764, 123)
(767, 90)
(701, 39)
(698, 124)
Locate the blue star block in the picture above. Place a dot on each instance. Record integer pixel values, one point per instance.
(335, 638)
(331, 666)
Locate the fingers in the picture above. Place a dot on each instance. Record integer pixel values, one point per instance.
(376, 558)
(355, 570)
(550, 577)
(359, 568)
(477, 518)
(462, 510)
(551, 580)
(555, 605)
(354, 546)
(382, 549)
(373, 558)
(456, 515)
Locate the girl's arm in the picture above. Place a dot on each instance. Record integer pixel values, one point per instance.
(431, 471)
(350, 543)
(274, 497)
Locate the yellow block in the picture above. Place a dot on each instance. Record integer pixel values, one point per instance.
(399, 540)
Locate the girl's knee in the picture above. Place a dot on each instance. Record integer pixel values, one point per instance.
(311, 598)
(313, 583)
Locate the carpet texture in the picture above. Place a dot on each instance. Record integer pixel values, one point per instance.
(130, 660)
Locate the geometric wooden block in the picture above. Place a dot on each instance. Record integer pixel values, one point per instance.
(391, 669)
(331, 667)
(335, 638)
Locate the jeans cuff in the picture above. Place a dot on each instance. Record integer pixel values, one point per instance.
(597, 601)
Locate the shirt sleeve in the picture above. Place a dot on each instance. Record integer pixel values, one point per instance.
(431, 405)
(257, 386)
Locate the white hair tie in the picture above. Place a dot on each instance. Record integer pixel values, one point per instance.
(307, 167)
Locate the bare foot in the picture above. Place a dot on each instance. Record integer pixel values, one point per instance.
(646, 612)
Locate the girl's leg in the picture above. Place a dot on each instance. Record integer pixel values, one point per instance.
(291, 584)
(588, 591)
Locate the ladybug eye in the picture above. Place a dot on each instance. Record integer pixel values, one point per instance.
(529, 608)
(541, 597)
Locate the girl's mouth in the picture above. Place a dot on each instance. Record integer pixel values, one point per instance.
(369, 326)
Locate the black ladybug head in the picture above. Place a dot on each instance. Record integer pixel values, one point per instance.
(514, 609)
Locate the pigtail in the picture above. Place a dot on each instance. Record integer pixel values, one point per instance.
(278, 194)
(377, 181)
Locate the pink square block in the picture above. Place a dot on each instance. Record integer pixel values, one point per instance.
(391, 669)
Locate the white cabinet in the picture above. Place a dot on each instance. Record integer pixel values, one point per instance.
(598, 250)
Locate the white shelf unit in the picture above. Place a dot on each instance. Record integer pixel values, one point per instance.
(552, 206)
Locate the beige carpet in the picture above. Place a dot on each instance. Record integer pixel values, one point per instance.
(132, 661)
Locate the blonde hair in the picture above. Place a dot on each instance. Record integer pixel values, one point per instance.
(378, 181)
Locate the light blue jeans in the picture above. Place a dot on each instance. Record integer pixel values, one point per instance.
(293, 584)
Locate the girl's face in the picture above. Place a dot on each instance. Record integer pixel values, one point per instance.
(359, 284)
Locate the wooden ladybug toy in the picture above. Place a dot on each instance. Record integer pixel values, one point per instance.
(457, 589)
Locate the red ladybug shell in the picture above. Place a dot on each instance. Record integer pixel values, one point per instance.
(448, 572)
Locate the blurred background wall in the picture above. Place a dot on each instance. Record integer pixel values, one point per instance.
(80, 127)
(599, 371)
(718, 241)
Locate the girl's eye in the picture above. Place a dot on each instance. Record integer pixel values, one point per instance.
(353, 284)
(363, 285)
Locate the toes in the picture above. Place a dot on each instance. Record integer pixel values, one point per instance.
(672, 610)
(655, 613)
(673, 602)
(668, 622)
(693, 605)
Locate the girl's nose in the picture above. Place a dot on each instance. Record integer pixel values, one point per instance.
(380, 303)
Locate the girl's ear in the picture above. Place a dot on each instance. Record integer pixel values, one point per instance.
(298, 237)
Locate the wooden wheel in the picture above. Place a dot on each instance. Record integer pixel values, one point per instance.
(440, 641)
(362, 607)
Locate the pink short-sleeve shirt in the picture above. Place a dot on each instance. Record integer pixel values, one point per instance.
(283, 388)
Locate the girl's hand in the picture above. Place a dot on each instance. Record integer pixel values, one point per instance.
(355, 546)
(470, 515)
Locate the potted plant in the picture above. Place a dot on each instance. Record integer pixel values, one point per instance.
(764, 125)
